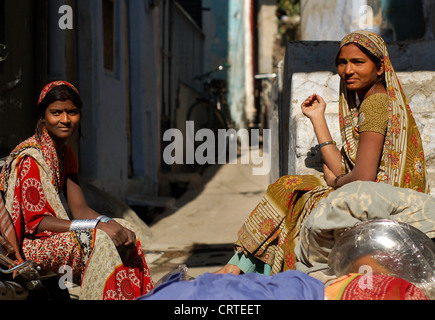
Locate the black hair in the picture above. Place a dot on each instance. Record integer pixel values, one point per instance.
(58, 93)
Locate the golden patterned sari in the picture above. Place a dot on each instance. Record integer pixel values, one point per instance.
(272, 230)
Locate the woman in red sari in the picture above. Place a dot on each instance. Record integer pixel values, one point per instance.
(103, 253)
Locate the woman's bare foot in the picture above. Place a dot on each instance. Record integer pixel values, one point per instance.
(229, 268)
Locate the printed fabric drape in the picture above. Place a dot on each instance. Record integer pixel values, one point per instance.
(31, 181)
(373, 287)
(272, 230)
(402, 162)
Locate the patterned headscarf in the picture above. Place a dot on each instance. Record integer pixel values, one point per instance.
(402, 162)
(52, 85)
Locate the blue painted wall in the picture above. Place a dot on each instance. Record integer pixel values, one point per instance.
(223, 25)
(215, 26)
(104, 151)
(236, 57)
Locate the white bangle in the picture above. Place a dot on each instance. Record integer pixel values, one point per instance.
(83, 224)
(103, 218)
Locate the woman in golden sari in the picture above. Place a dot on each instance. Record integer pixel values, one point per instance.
(104, 255)
(380, 142)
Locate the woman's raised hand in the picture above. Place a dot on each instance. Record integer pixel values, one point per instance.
(313, 106)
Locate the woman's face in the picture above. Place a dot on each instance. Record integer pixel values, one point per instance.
(62, 119)
(355, 68)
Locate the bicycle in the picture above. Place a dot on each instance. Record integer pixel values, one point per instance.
(211, 110)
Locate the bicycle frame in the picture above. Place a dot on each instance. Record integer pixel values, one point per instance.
(214, 93)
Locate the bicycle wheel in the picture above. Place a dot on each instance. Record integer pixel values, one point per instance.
(206, 116)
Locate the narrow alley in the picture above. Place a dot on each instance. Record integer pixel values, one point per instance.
(202, 227)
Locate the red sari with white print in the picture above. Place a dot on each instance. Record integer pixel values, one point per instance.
(32, 180)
